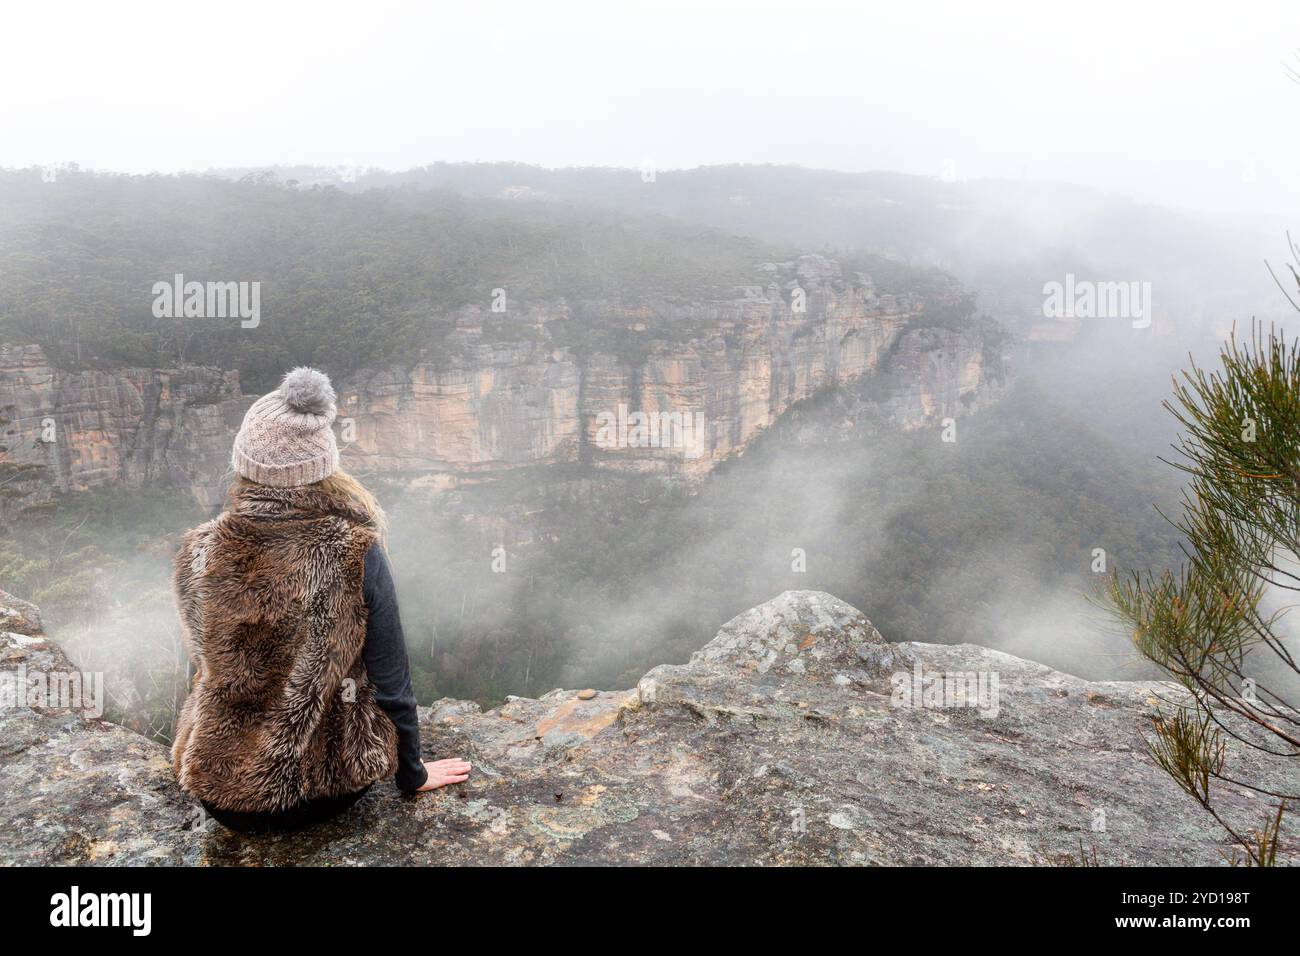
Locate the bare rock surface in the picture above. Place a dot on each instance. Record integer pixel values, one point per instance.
(19, 617)
(793, 737)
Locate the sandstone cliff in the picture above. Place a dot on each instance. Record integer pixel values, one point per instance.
(507, 393)
(501, 406)
(787, 739)
(131, 425)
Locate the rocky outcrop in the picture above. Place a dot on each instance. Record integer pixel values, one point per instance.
(502, 404)
(937, 372)
(796, 736)
(20, 617)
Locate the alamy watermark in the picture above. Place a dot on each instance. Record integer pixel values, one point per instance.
(52, 690)
(1083, 299)
(939, 690)
(130, 910)
(624, 429)
(208, 300)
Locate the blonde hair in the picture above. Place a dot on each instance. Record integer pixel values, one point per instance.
(342, 485)
(339, 484)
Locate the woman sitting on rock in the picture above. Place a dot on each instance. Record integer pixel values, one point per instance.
(302, 695)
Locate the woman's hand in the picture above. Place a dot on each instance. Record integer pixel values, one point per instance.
(443, 772)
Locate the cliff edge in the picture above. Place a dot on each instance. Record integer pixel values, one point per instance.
(798, 735)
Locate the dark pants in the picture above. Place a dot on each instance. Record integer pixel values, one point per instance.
(295, 818)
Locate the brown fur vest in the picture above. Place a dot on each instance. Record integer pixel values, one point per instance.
(272, 612)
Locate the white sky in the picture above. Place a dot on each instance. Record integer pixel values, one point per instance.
(1172, 102)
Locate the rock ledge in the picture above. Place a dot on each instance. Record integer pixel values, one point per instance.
(793, 737)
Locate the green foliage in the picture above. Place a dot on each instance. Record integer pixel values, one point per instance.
(1207, 624)
(942, 315)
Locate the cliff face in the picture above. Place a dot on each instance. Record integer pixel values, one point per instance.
(507, 404)
(129, 425)
(796, 736)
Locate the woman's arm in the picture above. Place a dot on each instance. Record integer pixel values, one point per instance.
(389, 670)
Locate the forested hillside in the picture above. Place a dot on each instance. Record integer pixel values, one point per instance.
(347, 280)
(1005, 237)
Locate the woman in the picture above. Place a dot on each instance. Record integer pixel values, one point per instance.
(302, 692)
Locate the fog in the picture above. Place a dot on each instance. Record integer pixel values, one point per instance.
(1182, 104)
(1010, 148)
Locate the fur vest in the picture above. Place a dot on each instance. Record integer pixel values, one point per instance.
(272, 613)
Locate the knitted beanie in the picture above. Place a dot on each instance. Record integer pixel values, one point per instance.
(286, 439)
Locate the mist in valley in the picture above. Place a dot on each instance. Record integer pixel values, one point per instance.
(998, 529)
